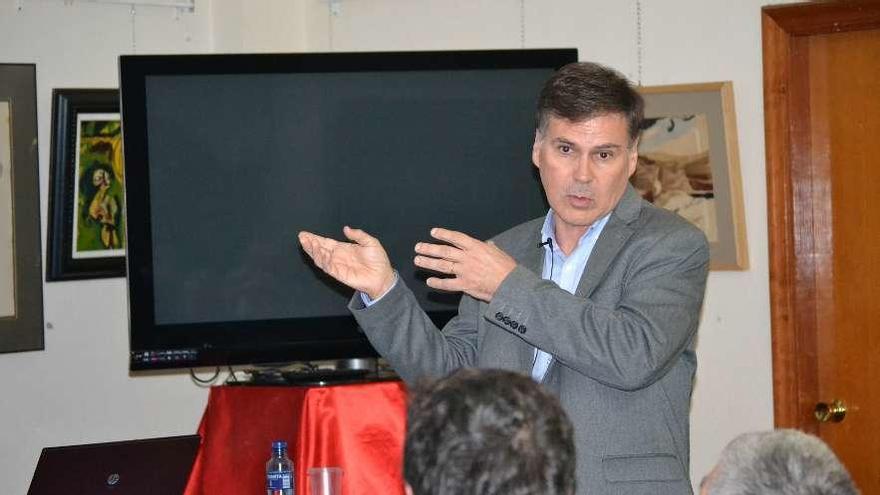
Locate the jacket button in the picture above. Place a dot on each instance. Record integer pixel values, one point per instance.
(522, 329)
(514, 324)
(499, 316)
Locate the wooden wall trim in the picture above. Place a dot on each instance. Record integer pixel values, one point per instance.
(825, 17)
(776, 47)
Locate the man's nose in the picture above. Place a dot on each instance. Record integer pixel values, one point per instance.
(583, 171)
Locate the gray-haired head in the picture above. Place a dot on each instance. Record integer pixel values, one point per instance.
(582, 90)
(778, 462)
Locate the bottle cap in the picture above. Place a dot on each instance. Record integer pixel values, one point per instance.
(279, 444)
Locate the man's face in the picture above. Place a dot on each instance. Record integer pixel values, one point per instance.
(100, 178)
(584, 167)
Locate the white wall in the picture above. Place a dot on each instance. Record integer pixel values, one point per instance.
(78, 390)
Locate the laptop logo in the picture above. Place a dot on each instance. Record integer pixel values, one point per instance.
(113, 479)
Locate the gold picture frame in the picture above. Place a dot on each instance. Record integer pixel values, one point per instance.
(689, 163)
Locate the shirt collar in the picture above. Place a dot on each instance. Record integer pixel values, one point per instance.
(548, 230)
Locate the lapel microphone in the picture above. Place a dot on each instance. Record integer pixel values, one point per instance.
(548, 242)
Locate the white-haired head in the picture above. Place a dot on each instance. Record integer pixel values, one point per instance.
(778, 462)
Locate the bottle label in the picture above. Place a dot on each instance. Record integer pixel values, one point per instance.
(279, 480)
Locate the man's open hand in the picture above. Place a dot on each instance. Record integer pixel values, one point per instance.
(477, 268)
(362, 264)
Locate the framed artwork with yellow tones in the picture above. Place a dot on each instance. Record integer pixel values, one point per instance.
(87, 188)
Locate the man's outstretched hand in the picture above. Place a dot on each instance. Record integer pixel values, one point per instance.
(361, 264)
(477, 267)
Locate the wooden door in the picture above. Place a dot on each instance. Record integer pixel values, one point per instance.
(822, 125)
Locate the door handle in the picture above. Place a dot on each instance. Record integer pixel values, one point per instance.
(833, 412)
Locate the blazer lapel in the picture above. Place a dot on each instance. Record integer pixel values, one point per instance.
(614, 235)
(531, 256)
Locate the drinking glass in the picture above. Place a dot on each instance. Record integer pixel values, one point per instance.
(325, 480)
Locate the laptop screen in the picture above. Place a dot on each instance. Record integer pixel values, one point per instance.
(133, 467)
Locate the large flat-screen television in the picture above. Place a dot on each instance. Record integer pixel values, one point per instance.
(228, 157)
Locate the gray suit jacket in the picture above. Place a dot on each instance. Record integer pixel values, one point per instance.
(623, 344)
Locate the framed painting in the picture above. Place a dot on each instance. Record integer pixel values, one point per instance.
(689, 164)
(21, 283)
(87, 195)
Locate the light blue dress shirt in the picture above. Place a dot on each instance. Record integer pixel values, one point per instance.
(565, 270)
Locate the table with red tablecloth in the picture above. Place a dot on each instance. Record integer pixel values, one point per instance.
(358, 427)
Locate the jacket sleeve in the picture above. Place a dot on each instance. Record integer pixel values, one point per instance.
(401, 331)
(625, 336)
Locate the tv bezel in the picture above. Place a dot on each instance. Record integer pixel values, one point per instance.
(239, 342)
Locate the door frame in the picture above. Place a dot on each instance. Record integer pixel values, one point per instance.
(796, 231)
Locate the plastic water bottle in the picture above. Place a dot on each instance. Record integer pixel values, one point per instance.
(279, 471)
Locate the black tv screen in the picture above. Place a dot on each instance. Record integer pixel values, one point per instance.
(228, 157)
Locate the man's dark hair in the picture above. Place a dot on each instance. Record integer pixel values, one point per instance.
(583, 90)
(487, 432)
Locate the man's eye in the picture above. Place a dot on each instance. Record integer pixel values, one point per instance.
(604, 155)
(565, 148)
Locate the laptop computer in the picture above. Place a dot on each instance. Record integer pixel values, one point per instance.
(133, 467)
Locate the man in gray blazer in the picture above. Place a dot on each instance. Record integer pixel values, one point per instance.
(604, 314)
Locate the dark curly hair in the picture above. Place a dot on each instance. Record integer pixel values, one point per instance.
(582, 90)
(487, 432)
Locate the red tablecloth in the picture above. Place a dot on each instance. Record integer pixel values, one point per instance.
(358, 427)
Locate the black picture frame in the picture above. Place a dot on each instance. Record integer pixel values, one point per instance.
(21, 329)
(67, 105)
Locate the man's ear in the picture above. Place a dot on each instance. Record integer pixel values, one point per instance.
(536, 146)
(407, 488)
(706, 483)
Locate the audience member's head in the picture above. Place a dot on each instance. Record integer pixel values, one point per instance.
(487, 432)
(778, 462)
